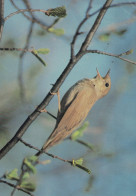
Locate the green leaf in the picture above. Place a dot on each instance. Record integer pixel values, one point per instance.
(29, 186)
(78, 163)
(79, 132)
(26, 176)
(13, 175)
(42, 51)
(104, 37)
(33, 158)
(27, 182)
(58, 11)
(57, 32)
(29, 165)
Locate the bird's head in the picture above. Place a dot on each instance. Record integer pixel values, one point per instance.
(102, 84)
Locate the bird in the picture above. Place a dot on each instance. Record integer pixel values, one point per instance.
(75, 106)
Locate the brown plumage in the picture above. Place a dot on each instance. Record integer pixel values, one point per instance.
(75, 106)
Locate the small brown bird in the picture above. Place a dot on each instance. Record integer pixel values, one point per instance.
(75, 106)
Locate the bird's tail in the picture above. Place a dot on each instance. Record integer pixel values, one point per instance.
(55, 138)
(43, 149)
(51, 141)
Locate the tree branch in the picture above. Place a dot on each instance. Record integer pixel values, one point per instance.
(39, 150)
(110, 54)
(20, 65)
(73, 162)
(114, 5)
(18, 188)
(95, 26)
(1, 17)
(25, 10)
(32, 51)
(77, 33)
(34, 19)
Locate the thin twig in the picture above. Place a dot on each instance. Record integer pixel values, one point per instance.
(110, 54)
(112, 27)
(3, 176)
(89, 7)
(20, 65)
(25, 10)
(57, 85)
(1, 17)
(39, 150)
(84, 144)
(51, 115)
(17, 49)
(95, 26)
(20, 178)
(18, 188)
(73, 162)
(35, 20)
(114, 5)
(77, 33)
(32, 51)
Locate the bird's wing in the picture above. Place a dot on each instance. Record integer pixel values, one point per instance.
(73, 116)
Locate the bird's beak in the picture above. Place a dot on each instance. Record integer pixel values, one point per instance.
(98, 74)
(107, 73)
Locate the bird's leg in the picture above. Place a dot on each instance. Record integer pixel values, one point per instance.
(58, 95)
(59, 107)
(44, 110)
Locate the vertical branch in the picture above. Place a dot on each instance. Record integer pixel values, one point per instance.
(77, 33)
(95, 26)
(1, 17)
(20, 68)
(20, 179)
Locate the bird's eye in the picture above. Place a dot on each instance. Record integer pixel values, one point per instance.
(107, 84)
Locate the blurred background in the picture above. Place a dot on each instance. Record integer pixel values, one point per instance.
(24, 82)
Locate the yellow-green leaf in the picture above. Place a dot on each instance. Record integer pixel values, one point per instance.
(78, 163)
(29, 165)
(104, 37)
(33, 158)
(57, 32)
(28, 186)
(26, 176)
(79, 133)
(42, 51)
(13, 175)
(34, 51)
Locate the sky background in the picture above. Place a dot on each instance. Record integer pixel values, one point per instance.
(111, 121)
